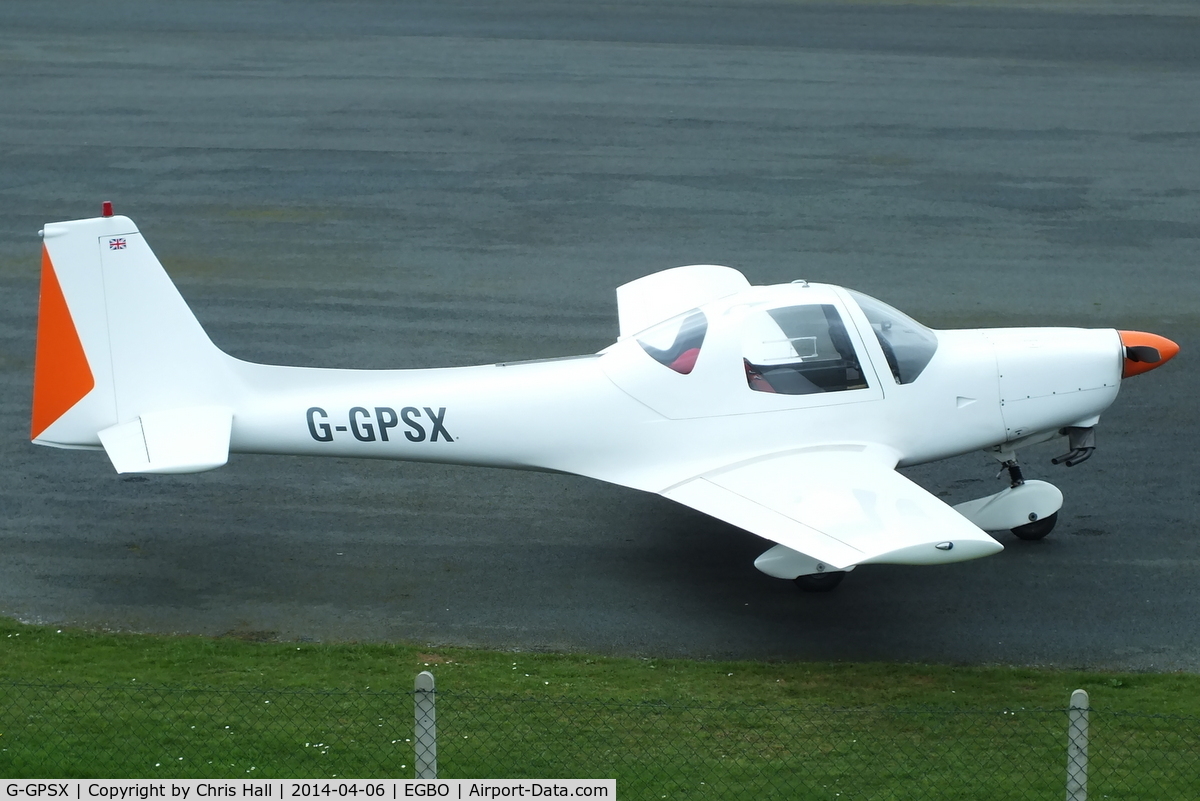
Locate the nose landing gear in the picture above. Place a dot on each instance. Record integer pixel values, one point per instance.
(1001, 511)
(1027, 508)
(1038, 529)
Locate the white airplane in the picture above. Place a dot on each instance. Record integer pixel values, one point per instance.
(783, 410)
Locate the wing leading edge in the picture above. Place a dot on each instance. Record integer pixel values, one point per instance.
(840, 506)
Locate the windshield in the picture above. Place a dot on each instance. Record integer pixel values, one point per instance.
(907, 345)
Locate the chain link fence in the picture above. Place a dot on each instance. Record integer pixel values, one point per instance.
(653, 749)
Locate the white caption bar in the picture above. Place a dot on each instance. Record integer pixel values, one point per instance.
(284, 790)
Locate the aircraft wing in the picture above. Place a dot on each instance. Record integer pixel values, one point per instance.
(840, 505)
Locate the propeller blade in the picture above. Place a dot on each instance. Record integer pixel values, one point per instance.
(1143, 353)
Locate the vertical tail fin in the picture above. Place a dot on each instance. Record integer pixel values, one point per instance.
(117, 347)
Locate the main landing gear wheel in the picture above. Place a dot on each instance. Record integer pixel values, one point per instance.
(820, 582)
(1037, 529)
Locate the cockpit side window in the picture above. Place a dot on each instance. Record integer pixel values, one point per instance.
(800, 350)
(676, 343)
(907, 345)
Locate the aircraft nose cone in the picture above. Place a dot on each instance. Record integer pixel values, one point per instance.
(1144, 352)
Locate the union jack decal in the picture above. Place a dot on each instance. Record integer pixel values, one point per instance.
(116, 244)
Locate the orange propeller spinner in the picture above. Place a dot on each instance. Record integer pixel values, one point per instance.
(1144, 352)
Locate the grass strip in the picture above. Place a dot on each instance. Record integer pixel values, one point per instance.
(77, 703)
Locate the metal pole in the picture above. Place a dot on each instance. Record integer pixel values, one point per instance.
(425, 734)
(1077, 747)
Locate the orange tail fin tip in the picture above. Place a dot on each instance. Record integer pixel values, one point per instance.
(61, 374)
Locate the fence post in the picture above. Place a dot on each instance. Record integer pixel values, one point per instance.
(425, 734)
(1077, 747)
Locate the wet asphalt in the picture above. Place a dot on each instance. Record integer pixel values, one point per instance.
(425, 184)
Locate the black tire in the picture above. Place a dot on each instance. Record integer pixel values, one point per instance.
(820, 582)
(1037, 529)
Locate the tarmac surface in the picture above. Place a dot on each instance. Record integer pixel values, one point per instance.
(427, 184)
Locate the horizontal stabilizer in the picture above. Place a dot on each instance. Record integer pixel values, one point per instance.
(172, 441)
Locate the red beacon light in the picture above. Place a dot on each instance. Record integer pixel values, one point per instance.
(106, 209)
